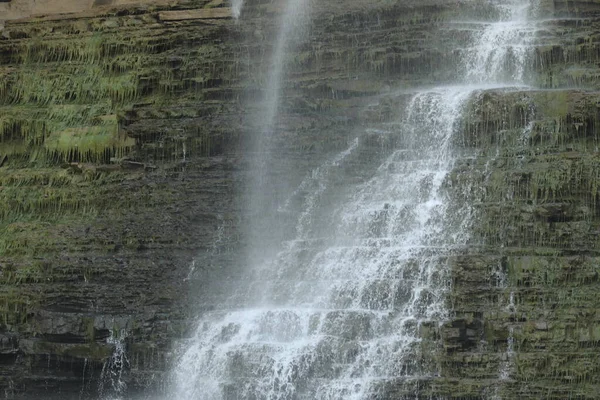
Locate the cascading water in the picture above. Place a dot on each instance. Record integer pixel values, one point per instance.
(341, 316)
(501, 51)
(339, 311)
(112, 385)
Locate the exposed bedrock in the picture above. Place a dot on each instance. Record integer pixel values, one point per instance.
(122, 158)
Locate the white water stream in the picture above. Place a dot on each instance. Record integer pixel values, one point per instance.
(339, 312)
(112, 385)
(236, 8)
(502, 50)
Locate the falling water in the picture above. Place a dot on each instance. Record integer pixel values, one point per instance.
(501, 52)
(112, 385)
(507, 363)
(340, 311)
(236, 8)
(263, 189)
(291, 29)
(344, 314)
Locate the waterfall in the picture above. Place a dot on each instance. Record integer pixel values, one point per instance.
(341, 310)
(501, 51)
(112, 385)
(263, 190)
(236, 8)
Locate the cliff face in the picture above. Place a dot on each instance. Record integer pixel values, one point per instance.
(122, 130)
(525, 296)
(113, 176)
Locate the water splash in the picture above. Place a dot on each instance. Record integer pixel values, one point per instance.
(314, 184)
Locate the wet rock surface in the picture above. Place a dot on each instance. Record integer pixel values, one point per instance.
(122, 136)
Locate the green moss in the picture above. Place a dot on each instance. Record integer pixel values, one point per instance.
(17, 305)
(88, 328)
(90, 143)
(554, 103)
(76, 84)
(34, 271)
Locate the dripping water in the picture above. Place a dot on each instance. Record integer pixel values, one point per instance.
(112, 384)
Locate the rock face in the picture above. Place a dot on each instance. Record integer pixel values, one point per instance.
(122, 137)
(526, 315)
(114, 176)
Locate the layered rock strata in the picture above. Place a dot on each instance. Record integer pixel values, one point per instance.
(122, 138)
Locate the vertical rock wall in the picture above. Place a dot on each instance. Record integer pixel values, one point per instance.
(525, 297)
(113, 175)
(121, 142)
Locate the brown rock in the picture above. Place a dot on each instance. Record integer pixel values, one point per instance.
(207, 13)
